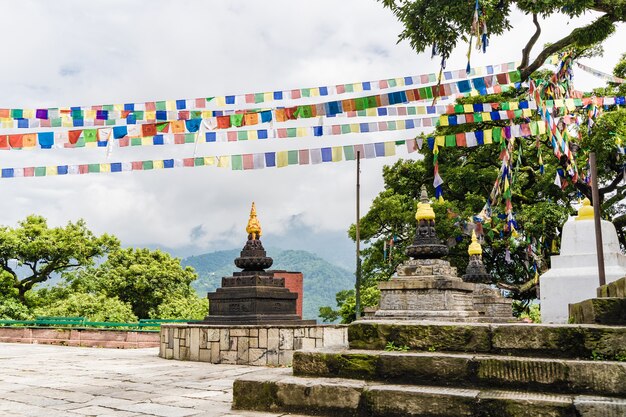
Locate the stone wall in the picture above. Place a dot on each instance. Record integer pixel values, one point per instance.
(104, 338)
(246, 345)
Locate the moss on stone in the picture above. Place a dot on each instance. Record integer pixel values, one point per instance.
(260, 396)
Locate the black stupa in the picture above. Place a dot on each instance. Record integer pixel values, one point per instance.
(253, 296)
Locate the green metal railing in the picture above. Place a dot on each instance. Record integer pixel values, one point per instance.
(82, 322)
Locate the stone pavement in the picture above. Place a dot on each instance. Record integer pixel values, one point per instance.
(54, 381)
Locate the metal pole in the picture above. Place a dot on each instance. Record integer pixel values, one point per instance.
(595, 194)
(357, 307)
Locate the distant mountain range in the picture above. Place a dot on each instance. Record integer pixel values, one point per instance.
(322, 280)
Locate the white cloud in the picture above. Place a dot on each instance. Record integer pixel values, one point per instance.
(81, 53)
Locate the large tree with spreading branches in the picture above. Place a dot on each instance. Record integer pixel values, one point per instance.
(441, 25)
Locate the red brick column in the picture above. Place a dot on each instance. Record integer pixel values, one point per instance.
(293, 282)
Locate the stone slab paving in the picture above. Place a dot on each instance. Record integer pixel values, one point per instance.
(59, 381)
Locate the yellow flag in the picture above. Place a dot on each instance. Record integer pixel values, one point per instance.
(158, 164)
(105, 167)
(513, 105)
(223, 162)
(487, 137)
(468, 108)
(209, 160)
(390, 148)
(440, 141)
(282, 159)
(443, 120)
(486, 117)
(170, 105)
(355, 128)
(421, 110)
(337, 153)
(51, 170)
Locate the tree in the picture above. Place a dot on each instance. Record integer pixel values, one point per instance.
(143, 278)
(44, 251)
(440, 25)
(95, 307)
(513, 256)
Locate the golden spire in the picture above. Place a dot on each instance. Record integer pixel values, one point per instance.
(474, 248)
(586, 211)
(254, 227)
(424, 210)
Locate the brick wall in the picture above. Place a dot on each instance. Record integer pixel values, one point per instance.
(119, 339)
(246, 345)
(293, 282)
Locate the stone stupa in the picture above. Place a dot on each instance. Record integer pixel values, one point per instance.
(488, 301)
(426, 287)
(254, 295)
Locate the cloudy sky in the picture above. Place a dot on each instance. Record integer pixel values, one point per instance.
(63, 53)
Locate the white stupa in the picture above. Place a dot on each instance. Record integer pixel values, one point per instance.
(573, 276)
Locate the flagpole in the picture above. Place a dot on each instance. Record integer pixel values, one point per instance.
(357, 307)
(595, 194)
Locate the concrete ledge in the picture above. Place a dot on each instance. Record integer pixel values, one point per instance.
(466, 371)
(257, 345)
(104, 338)
(540, 340)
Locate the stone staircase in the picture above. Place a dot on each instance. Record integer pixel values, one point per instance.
(433, 369)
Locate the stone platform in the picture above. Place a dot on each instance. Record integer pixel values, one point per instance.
(262, 345)
(438, 369)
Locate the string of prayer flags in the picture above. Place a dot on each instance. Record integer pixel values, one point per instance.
(600, 74)
(80, 118)
(108, 111)
(240, 162)
(170, 133)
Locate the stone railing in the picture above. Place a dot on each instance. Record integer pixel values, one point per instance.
(270, 345)
(120, 339)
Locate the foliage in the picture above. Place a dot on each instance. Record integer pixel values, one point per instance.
(322, 280)
(44, 251)
(346, 301)
(12, 309)
(190, 307)
(141, 277)
(391, 347)
(95, 307)
(527, 311)
(440, 26)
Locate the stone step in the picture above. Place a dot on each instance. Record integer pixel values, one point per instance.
(278, 391)
(465, 370)
(608, 310)
(579, 341)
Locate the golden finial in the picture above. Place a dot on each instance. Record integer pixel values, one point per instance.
(586, 211)
(254, 227)
(474, 247)
(424, 210)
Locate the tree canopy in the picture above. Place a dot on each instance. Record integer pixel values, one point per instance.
(43, 251)
(143, 278)
(441, 25)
